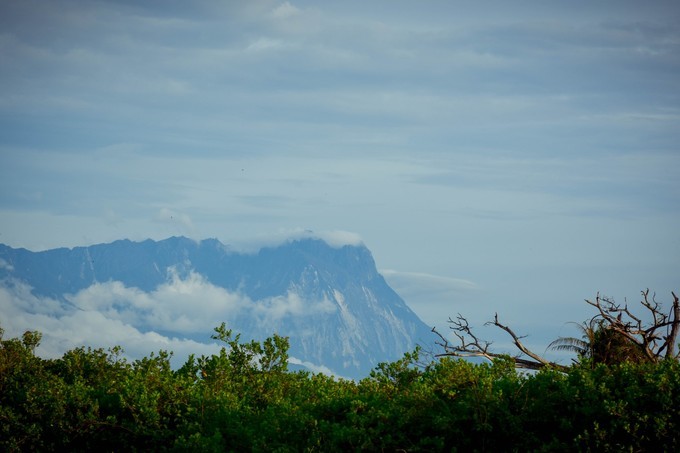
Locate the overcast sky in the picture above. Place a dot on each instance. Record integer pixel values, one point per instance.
(501, 156)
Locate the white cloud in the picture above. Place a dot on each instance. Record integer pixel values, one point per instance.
(12, 289)
(174, 218)
(109, 314)
(64, 328)
(312, 367)
(334, 238)
(273, 309)
(436, 282)
(285, 10)
(189, 305)
(340, 238)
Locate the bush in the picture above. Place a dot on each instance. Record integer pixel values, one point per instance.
(243, 398)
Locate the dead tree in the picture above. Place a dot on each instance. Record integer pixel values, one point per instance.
(656, 340)
(471, 346)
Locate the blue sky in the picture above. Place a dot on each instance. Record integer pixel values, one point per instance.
(515, 157)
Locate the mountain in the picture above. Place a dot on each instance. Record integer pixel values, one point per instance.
(336, 309)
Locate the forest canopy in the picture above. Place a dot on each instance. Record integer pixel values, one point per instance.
(245, 398)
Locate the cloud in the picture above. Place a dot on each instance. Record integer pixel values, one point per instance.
(178, 219)
(263, 44)
(272, 310)
(65, 328)
(285, 10)
(312, 367)
(614, 185)
(170, 307)
(419, 285)
(178, 315)
(26, 302)
(334, 238)
(436, 282)
(541, 128)
(430, 295)
(340, 238)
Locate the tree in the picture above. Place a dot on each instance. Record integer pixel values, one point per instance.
(471, 346)
(655, 340)
(615, 334)
(93, 400)
(599, 343)
(582, 347)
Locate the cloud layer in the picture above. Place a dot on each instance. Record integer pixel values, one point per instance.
(530, 148)
(178, 316)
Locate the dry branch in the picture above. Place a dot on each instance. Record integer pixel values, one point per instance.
(656, 341)
(471, 346)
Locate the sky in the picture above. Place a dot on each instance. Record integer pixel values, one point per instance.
(510, 157)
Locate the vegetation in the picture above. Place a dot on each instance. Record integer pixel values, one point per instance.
(245, 399)
(615, 334)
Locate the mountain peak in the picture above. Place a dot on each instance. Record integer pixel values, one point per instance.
(328, 298)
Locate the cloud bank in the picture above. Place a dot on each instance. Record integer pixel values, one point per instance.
(531, 147)
(334, 238)
(177, 316)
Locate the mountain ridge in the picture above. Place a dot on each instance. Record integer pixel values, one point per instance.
(331, 301)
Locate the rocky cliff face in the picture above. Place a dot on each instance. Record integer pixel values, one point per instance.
(331, 302)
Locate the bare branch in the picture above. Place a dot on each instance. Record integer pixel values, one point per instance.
(633, 339)
(672, 338)
(648, 338)
(471, 346)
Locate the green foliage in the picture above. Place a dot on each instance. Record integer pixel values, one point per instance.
(244, 399)
(271, 355)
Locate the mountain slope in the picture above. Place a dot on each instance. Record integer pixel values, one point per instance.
(331, 302)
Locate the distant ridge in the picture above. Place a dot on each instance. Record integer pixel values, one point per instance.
(330, 300)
